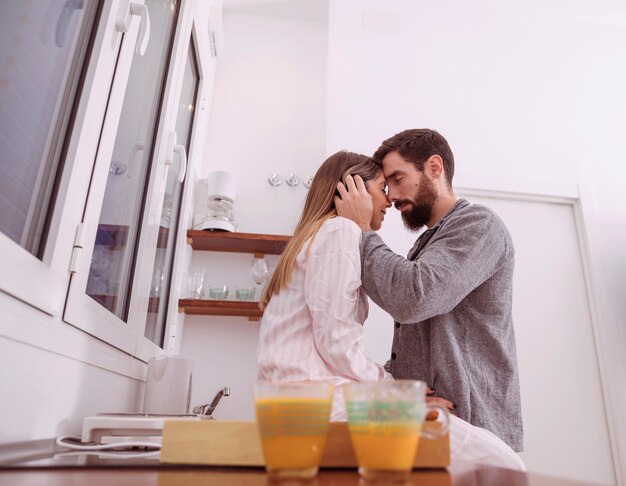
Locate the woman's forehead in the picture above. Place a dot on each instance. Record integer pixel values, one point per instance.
(380, 177)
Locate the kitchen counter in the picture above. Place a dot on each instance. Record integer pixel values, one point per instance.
(42, 462)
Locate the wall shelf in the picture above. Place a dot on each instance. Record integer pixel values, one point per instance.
(225, 241)
(220, 308)
(237, 242)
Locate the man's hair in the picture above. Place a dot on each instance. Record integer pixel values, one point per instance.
(416, 146)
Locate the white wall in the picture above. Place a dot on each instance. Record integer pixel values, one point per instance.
(53, 375)
(268, 115)
(525, 91)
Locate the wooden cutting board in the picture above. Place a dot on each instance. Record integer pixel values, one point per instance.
(222, 443)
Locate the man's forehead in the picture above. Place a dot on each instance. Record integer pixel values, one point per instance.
(394, 163)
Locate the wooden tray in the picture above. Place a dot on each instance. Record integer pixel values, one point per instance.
(221, 443)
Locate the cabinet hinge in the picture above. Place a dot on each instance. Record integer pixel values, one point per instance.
(79, 243)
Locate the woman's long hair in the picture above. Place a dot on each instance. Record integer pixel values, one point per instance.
(318, 207)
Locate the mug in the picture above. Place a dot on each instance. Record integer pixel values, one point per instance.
(385, 423)
(293, 422)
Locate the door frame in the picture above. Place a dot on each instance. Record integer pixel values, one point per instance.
(580, 198)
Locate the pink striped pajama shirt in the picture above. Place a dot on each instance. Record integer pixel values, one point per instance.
(312, 330)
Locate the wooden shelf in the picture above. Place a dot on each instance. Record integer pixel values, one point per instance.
(220, 308)
(225, 241)
(237, 242)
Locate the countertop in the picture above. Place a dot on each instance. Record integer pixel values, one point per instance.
(42, 462)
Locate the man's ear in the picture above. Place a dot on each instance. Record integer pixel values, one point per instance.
(434, 164)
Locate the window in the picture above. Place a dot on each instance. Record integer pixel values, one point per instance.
(166, 243)
(92, 218)
(42, 50)
(46, 51)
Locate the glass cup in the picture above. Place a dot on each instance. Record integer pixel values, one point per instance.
(385, 422)
(218, 292)
(293, 422)
(245, 293)
(195, 284)
(260, 272)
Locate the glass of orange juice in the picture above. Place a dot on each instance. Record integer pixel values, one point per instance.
(293, 423)
(385, 423)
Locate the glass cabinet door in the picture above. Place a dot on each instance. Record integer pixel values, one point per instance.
(166, 243)
(41, 48)
(45, 51)
(112, 263)
(122, 192)
(138, 204)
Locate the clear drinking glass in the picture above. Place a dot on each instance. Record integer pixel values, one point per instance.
(385, 422)
(293, 422)
(195, 284)
(218, 292)
(244, 293)
(260, 273)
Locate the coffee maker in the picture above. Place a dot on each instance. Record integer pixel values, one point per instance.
(221, 192)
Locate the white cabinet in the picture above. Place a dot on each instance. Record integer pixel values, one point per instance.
(44, 47)
(123, 293)
(130, 93)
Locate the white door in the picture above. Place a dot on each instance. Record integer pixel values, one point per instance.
(565, 425)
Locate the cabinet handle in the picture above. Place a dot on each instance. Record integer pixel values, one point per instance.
(132, 160)
(144, 28)
(180, 150)
(122, 25)
(172, 148)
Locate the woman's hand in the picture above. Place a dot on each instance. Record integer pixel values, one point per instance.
(442, 402)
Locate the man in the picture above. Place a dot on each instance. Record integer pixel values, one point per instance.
(452, 298)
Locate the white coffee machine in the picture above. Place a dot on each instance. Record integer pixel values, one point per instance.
(221, 192)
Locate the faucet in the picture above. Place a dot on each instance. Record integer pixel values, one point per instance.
(207, 408)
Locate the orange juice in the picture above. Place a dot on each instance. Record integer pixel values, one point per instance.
(293, 430)
(384, 446)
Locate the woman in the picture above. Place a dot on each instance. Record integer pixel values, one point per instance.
(314, 307)
(313, 304)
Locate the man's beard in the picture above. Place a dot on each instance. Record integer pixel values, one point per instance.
(421, 210)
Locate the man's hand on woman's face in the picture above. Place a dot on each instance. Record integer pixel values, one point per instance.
(355, 202)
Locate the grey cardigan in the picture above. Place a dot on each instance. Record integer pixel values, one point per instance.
(451, 300)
